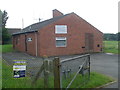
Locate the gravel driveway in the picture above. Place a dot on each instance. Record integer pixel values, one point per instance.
(100, 62)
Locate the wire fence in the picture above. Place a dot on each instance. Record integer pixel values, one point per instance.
(75, 68)
(49, 73)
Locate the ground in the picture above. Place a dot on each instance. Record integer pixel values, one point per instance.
(106, 64)
(100, 62)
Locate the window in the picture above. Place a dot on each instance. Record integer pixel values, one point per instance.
(60, 41)
(29, 39)
(60, 29)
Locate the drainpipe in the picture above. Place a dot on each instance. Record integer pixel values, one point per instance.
(36, 46)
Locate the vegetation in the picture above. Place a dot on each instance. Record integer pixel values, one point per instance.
(111, 47)
(0, 48)
(5, 35)
(112, 37)
(6, 48)
(96, 80)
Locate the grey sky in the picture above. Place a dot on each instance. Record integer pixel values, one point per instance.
(103, 14)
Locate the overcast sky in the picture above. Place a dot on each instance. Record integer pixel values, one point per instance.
(103, 14)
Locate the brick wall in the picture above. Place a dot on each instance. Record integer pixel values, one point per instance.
(77, 28)
(56, 13)
(28, 46)
(46, 43)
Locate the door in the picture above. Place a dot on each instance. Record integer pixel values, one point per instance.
(89, 42)
(25, 42)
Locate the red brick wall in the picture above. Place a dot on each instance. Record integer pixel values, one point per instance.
(31, 45)
(20, 46)
(56, 13)
(75, 37)
(18, 42)
(77, 28)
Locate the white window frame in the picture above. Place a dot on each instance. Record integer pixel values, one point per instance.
(60, 29)
(60, 39)
(29, 39)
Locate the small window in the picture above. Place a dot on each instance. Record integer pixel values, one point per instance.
(29, 39)
(60, 41)
(60, 29)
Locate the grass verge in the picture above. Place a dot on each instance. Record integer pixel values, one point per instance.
(6, 48)
(96, 79)
(111, 47)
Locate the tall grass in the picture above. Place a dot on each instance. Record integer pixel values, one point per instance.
(96, 79)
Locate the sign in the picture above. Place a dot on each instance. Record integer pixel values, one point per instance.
(19, 68)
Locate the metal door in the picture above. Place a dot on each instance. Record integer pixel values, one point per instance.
(89, 42)
(25, 42)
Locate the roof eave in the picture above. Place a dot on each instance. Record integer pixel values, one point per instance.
(23, 32)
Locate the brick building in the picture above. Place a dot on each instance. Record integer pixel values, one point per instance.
(60, 35)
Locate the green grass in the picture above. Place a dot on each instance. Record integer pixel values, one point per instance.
(111, 47)
(6, 48)
(0, 48)
(96, 79)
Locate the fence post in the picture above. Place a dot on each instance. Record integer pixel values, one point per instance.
(56, 65)
(89, 65)
(46, 74)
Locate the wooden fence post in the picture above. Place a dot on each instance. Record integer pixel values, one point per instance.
(46, 74)
(56, 65)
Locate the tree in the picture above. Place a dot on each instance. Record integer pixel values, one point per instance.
(5, 35)
(112, 37)
(4, 18)
(118, 36)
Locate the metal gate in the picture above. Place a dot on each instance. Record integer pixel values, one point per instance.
(72, 68)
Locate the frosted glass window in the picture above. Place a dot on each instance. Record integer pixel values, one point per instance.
(60, 29)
